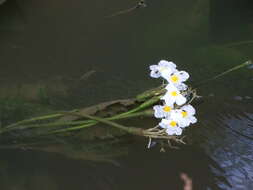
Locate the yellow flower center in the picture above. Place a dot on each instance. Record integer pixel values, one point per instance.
(174, 93)
(167, 108)
(184, 113)
(173, 124)
(174, 78)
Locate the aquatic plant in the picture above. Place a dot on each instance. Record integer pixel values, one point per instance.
(170, 102)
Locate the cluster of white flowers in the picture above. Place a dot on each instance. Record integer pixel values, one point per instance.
(176, 114)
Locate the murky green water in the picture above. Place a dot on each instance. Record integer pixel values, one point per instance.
(61, 54)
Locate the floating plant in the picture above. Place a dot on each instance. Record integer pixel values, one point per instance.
(170, 102)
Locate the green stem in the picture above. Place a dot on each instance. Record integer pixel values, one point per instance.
(87, 123)
(83, 124)
(247, 63)
(143, 106)
(131, 130)
(33, 120)
(17, 124)
(94, 122)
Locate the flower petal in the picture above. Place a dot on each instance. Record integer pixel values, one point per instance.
(169, 64)
(183, 75)
(174, 131)
(184, 123)
(153, 67)
(181, 86)
(189, 109)
(180, 100)
(171, 87)
(158, 111)
(193, 119)
(169, 100)
(155, 74)
(166, 73)
(169, 131)
(178, 131)
(164, 123)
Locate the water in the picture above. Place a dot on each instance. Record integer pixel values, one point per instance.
(62, 55)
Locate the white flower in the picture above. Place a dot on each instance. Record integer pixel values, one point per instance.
(185, 115)
(173, 96)
(177, 78)
(162, 111)
(163, 68)
(171, 126)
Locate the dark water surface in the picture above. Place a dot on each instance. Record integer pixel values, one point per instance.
(81, 58)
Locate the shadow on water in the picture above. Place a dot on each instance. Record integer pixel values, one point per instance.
(60, 55)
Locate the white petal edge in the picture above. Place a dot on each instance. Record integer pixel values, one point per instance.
(180, 100)
(183, 75)
(189, 109)
(165, 63)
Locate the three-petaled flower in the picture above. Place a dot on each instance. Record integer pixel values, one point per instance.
(163, 69)
(177, 78)
(185, 115)
(162, 111)
(173, 96)
(172, 126)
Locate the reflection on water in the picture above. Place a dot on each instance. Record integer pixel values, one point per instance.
(48, 46)
(230, 143)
